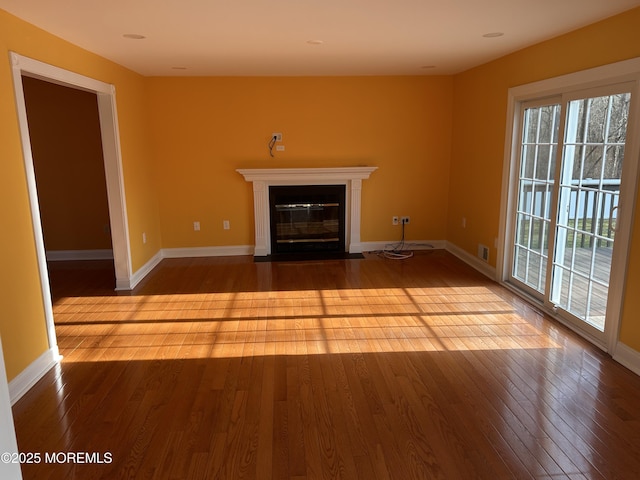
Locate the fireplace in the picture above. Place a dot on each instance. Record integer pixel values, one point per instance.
(349, 178)
(307, 218)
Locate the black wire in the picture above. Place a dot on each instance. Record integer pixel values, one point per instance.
(396, 251)
(401, 247)
(272, 142)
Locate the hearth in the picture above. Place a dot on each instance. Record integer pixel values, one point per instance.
(307, 218)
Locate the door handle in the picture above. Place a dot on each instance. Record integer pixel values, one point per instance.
(613, 226)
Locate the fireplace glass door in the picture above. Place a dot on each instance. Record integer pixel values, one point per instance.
(307, 218)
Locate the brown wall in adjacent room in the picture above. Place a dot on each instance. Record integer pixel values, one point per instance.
(67, 153)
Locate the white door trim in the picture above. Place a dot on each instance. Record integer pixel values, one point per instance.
(8, 442)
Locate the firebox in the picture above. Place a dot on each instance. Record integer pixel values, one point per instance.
(307, 218)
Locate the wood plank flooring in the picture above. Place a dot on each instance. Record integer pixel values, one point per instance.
(222, 368)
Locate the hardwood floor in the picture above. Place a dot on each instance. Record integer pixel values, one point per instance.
(222, 368)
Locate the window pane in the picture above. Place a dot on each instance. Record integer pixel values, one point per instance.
(528, 161)
(613, 166)
(539, 192)
(597, 115)
(531, 116)
(547, 132)
(522, 234)
(577, 153)
(592, 163)
(542, 162)
(578, 296)
(619, 117)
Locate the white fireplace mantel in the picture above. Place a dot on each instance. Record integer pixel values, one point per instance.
(263, 178)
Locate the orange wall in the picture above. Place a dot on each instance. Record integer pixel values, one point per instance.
(480, 102)
(205, 128)
(22, 324)
(630, 326)
(438, 143)
(67, 155)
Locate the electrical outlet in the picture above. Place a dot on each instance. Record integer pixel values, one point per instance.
(226, 225)
(394, 221)
(279, 148)
(278, 136)
(405, 220)
(196, 226)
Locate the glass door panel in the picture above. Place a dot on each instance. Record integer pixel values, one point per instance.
(589, 191)
(535, 195)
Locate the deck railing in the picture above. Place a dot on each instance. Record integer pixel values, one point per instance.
(591, 208)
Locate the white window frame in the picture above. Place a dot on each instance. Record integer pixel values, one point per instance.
(615, 73)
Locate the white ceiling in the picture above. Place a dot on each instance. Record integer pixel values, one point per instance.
(270, 37)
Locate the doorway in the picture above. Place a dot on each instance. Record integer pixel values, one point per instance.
(23, 66)
(64, 128)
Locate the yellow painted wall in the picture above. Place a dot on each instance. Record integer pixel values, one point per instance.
(205, 128)
(22, 324)
(630, 326)
(480, 101)
(438, 143)
(67, 155)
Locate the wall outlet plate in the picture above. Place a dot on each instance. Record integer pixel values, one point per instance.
(395, 221)
(405, 220)
(278, 136)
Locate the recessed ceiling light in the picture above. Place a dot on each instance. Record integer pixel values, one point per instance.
(493, 35)
(134, 36)
(315, 42)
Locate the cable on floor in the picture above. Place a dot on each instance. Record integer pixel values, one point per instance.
(396, 251)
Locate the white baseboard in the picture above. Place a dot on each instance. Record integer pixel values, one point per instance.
(141, 273)
(472, 261)
(628, 357)
(239, 250)
(34, 372)
(228, 251)
(409, 245)
(67, 255)
(233, 250)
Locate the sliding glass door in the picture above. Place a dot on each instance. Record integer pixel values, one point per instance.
(571, 152)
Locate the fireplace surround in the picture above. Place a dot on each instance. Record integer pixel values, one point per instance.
(263, 178)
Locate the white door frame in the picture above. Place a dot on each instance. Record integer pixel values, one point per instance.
(8, 444)
(24, 66)
(620, 72)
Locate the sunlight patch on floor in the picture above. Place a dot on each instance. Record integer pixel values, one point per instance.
(217, 325)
